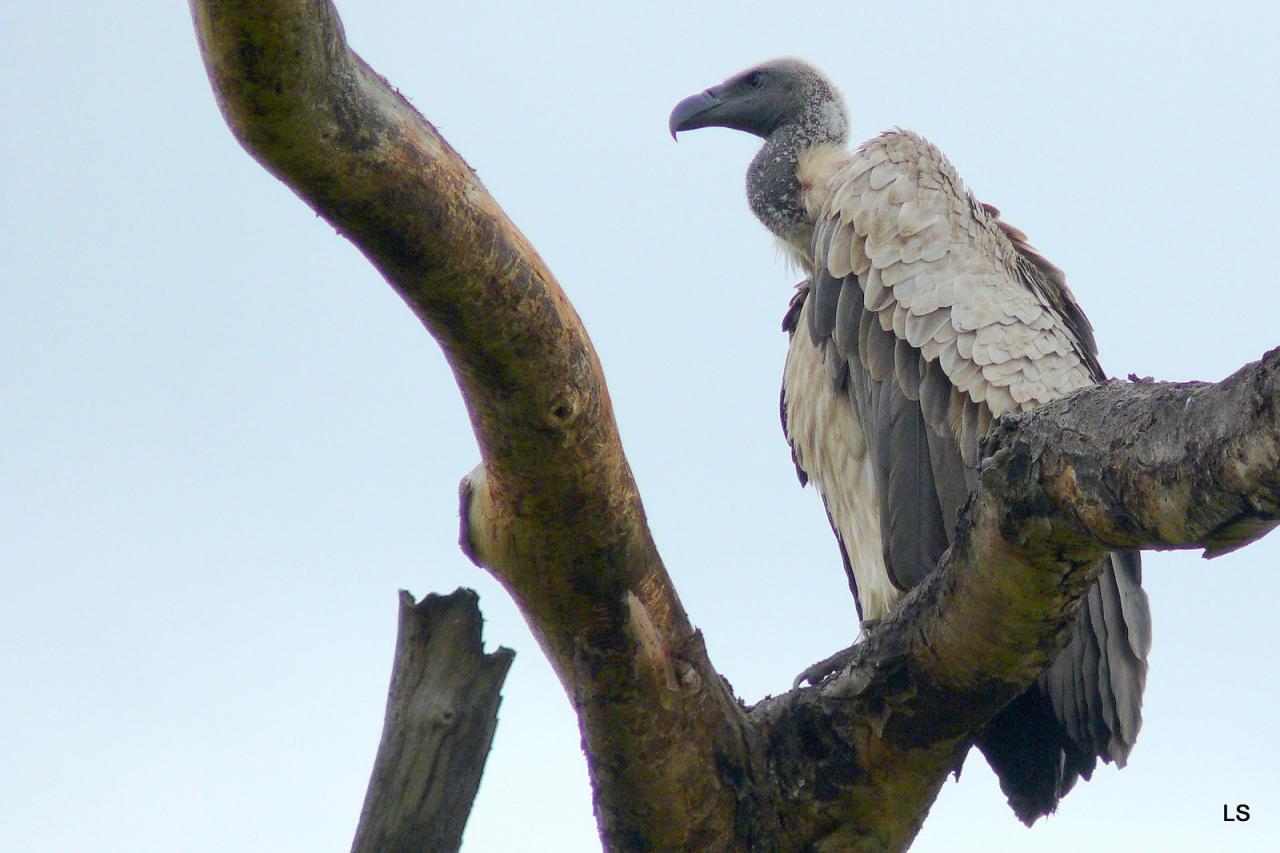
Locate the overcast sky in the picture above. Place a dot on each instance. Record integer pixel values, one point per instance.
(225, 443)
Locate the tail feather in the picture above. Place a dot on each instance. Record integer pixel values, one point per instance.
(1087, 705)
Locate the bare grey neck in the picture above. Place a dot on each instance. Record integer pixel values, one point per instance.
(773, 190)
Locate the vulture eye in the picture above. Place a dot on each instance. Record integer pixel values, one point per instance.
(756, 80)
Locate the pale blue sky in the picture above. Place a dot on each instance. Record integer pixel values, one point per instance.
(225, 444)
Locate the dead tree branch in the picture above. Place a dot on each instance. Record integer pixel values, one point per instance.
(442, 709)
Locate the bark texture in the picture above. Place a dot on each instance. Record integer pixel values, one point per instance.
(442, 710)
(552, 511)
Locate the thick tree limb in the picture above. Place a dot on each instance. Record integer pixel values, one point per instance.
(442, 710)
(553, 510)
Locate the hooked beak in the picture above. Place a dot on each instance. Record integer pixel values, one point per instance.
(695, 111)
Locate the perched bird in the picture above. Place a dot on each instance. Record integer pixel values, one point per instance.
(922, 318)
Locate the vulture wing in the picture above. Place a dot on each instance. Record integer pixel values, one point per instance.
(924, 318)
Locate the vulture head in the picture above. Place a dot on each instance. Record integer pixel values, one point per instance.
(781, 94)
(794, 108)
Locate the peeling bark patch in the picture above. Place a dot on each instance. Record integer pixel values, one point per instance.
(652, 659)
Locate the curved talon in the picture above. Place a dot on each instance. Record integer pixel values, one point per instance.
(823, 669)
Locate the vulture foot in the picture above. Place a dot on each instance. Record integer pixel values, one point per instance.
(824, 669)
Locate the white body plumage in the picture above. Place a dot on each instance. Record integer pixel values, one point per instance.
(943, 279)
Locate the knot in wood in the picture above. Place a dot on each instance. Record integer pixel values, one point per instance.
(563, 408)
(444, 718)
